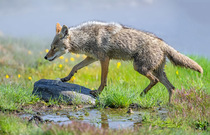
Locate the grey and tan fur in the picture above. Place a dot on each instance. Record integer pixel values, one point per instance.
(105, 41)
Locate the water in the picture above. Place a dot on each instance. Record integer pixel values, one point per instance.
(185, 25)
(105, 118)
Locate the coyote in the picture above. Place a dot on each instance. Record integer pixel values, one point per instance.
(104, 41)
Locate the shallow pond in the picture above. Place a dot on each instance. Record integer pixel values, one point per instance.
(105, 118)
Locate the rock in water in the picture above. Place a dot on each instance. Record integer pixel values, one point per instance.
(54, 89)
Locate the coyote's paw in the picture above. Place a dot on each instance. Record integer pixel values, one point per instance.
(65, 79)
(94, 93)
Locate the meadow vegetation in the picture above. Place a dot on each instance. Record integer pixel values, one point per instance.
(22, 63)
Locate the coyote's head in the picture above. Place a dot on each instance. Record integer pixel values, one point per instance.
(60, 44)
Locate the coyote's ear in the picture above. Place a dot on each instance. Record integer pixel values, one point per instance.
(64, 30)
(58, 28)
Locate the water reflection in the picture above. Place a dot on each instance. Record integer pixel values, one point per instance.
(102, 118)
(104, 121)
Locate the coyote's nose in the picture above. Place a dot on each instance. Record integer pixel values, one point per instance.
(45, 57)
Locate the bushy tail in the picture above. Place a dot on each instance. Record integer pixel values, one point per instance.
(179, 59)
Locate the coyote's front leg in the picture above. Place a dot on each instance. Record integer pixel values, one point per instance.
(104, 72)
(82, 64)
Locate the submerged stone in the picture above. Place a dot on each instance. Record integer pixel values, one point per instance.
(54, 89)
(130, 111)
(36, 119)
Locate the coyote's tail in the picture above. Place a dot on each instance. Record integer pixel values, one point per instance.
(179, 59)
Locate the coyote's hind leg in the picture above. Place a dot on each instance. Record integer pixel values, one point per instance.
(153, 82)
(161, 75)
(164, 80)
(149, 75)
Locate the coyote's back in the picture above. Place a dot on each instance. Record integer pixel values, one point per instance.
(105, 41)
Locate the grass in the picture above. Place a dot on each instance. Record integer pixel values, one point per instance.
(192, 107)
(14, 97)
(22, 64)
(10, 124)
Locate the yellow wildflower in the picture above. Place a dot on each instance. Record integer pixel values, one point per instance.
(61, 57)
(46, 50)
(66, 60)
(86, 68)
(71, 59)
(29, 52)
(29, 78)
(73, 78)
(19, 76)
(7, 76)
(84, 56)
(60, 65)
(118, 64)
(77, 55)
(177, 72)
(86, 83)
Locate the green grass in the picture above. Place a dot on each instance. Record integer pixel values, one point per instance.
(22, 62)
(12, 125)
(14, 97)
